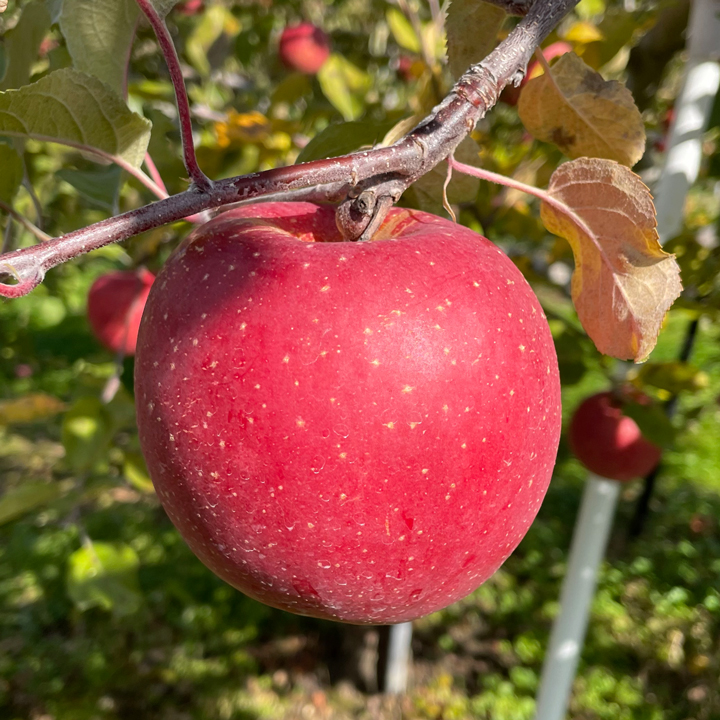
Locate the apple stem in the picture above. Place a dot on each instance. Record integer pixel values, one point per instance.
(587, 549)
(197, 176)
(398, 659)
(387, 171)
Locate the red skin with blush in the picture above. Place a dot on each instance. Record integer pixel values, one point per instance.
(358, 431)
(609, 443)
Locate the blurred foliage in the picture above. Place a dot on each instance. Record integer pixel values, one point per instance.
(104, 612)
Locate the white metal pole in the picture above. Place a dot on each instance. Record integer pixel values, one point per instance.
(587, 549)
(692, 112)
(398, 660)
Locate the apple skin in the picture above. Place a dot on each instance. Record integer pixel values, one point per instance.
(115, 306)
(355, 431)
(304, 48)
(511, 94)
(609, 443)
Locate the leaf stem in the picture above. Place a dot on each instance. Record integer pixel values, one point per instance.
(500, 179)
(543, 195)
(198, 177)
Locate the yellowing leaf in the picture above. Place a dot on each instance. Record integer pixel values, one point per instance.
(624, 282)
(583, 32)
(583, 114)
(36, 406)
(472, 31)
(242, 128)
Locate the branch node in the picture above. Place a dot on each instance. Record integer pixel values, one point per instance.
(355, 214)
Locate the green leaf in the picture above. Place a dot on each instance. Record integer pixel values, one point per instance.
(675, 377)
(12, 173)
(402, 30)
(344, 85)
(104, 575)
(654, 424)
(212, 24)
(86, 433)
(27, 497)
(75, 109)
(22, 44)
(343, 138)
(99, 34)
(472, 28)
(101, 187)
(136, 472)
(54, 8)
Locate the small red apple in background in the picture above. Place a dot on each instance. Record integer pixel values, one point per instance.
(510, 95)
(409, 69)
(609, 443)
(304, 48)
(355, 431)
(190, 7)
(115, 307)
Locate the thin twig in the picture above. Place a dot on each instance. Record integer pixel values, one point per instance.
(8, 237)
(198, 177)
(385, 172)
(34, 198)
(34, 229)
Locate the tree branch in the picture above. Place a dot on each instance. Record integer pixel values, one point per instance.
(367, 182)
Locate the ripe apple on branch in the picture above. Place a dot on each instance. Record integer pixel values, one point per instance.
(349, 410)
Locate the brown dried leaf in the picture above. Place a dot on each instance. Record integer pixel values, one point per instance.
(624, 282)
(583, 114)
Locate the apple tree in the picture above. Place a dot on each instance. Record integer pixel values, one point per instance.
(293, 346)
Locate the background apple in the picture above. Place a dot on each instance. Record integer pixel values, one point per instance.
(356, 431)
(115, 306)
(609, 443)
(304, 48)
(190, 7)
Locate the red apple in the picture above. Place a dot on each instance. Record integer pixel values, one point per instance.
(609, 443)
(355, 431)
(510, 95)
(304, 48)
(190, 7)
(115, 306)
